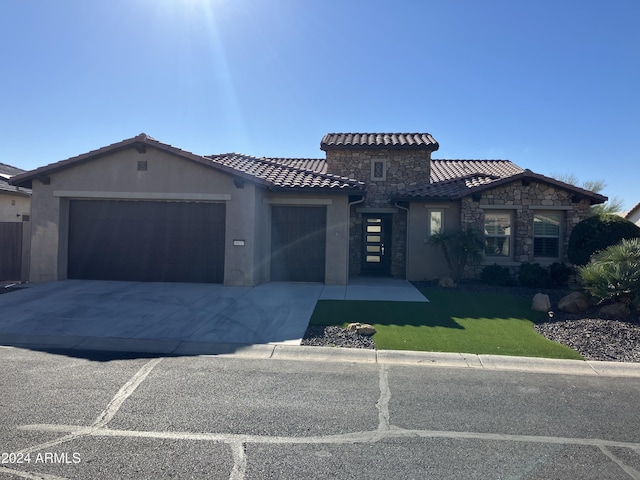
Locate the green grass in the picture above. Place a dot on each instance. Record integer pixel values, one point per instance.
(452, 321)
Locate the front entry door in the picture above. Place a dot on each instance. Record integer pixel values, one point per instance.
(376, 244)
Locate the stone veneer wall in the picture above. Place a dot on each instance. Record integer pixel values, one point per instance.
(517, 194)
(404, 168)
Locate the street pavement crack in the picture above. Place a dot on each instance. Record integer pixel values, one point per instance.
(107, 414)
(383, 402)
(632, 472)
(239, 461)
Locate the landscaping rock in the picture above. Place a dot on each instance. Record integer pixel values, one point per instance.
(575, 302)
(361, 328)
(446, 282)
(541, 303)
(320, 336)
(615, 310)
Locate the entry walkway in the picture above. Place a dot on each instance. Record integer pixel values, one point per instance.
(161, 317)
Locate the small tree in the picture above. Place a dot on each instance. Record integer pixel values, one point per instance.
(613, 205)
(614, 273)
(460, 248)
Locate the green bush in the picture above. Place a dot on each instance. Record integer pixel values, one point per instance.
(597, 233)
(496, 275)
(614, 273)
(559, 274)
(533, 275)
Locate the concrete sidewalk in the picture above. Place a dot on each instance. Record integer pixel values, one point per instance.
(203, 319)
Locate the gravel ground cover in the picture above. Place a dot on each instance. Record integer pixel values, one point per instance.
(594, 338)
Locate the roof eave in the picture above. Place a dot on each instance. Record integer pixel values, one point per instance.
(318, 190)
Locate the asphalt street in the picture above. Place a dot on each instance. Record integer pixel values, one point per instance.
(78, 415)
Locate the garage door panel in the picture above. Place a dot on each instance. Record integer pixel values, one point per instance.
(298, 239)
(146, 241)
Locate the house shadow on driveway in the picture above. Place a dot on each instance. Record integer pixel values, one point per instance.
(98, 320)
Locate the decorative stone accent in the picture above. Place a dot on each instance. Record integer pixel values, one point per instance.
(523, 197)
(615, 310)
(404, 168)
(446, 282)
(575, 302)
(361, 328)
(541, 303)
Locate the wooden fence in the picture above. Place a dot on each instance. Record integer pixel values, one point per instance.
(10, 251)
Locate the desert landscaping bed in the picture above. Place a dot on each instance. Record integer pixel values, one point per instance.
(594, 338)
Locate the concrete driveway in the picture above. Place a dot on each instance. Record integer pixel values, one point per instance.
(173, 317)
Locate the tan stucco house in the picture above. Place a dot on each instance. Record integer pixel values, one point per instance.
(140, 209)
(14, 226)
(633, 215)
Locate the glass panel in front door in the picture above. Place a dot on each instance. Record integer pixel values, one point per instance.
(374, 242)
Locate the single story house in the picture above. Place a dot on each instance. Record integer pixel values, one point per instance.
(14, 226)
(144, 210)
(633, 215)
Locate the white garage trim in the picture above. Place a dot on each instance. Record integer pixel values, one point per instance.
(142, 195)
(298, 201)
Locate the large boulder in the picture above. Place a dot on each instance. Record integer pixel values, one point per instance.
(541, 303)
(575, 302)
(615, 310)
(361, 328)
(446, 282)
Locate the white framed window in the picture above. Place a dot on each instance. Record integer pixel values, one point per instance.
(546, 234)
(436, 221)
(379, 169)
(498, 234)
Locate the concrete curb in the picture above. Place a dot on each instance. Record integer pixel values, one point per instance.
(324, 354)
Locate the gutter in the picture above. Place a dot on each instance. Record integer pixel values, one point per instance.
(350, 204)
(406, 241)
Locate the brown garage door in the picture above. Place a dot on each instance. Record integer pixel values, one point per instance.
(298, 239)
(146, 241)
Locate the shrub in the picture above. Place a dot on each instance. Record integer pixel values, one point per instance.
(496, 275)
(533, 275)
(460, 248)
(614, 273)
(559, 274)
(597, 233)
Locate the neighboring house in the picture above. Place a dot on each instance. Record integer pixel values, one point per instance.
(144, 210)
(14, 226)
(633, 215)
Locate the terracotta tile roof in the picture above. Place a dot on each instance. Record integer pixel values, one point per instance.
(443, 170)
(454, 179)
(286, 173)
(371, 141)
(6, 172)
(278, 173)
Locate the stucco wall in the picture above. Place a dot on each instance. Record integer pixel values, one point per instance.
(171, 178)
(117, 176)
(13, 206)
(426, 261)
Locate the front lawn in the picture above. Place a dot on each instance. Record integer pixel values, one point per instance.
(453, 321)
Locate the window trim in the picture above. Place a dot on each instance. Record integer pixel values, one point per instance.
(383, 177)
(430, 211)
(500, 258)
(559, 213)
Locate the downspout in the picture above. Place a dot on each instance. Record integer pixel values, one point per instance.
(350, 204)
(406, 241)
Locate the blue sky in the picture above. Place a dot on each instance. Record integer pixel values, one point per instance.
(553, 86)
